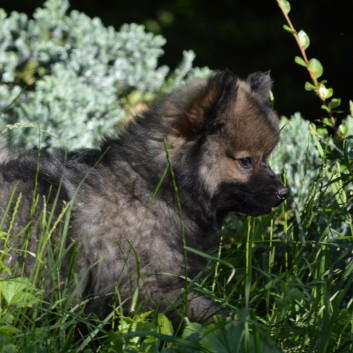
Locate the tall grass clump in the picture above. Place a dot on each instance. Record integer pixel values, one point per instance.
(286, 278)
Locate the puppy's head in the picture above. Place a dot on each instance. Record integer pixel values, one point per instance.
(227, 129)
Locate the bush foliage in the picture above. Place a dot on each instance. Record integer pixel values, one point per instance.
(74, 72)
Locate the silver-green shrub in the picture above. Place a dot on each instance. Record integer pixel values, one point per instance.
(297, 157)
(76, 74)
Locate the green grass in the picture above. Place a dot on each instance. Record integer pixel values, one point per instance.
(287, 279)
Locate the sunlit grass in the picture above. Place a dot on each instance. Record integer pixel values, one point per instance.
(286, 278)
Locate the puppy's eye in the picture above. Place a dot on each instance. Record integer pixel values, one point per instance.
(245, 162)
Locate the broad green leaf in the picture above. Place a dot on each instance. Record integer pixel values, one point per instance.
(303, 39)
(222, 339)
(315, 67)
(300, 61)
(164, 324)
(295, 294)
(227, 337)
(8, 331)
(24, 300)
(285, 5)
(18, 292)
(9, 348)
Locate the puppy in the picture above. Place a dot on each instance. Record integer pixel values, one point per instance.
(168, 181)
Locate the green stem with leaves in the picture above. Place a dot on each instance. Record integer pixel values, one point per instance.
(313, 66)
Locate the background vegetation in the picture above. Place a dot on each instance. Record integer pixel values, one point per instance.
(287, 277)
(241, 35)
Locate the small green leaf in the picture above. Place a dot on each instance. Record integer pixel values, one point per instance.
(300, 61)
(315, 67)
(343, 129)
(288, 29)
(309, 86)
(327, 122)
(335, 103)
(325, 107)
(351, 107)
(303, 39)
(284, 5)
(324, 92)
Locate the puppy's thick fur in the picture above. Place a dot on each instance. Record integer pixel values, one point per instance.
(219, 133)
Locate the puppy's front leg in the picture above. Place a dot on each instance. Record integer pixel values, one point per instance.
(174, 301)
(202, 309)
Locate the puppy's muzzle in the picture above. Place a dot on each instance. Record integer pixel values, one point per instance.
(282, 193)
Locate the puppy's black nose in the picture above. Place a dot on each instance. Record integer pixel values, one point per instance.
(282, 193)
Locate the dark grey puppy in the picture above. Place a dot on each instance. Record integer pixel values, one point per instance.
(219, 134)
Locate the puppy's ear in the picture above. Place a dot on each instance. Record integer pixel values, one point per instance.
(261, 83)
(219, 96)
(201, 106)
(220, 91)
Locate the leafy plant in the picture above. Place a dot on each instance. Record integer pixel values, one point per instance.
(314, 68)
